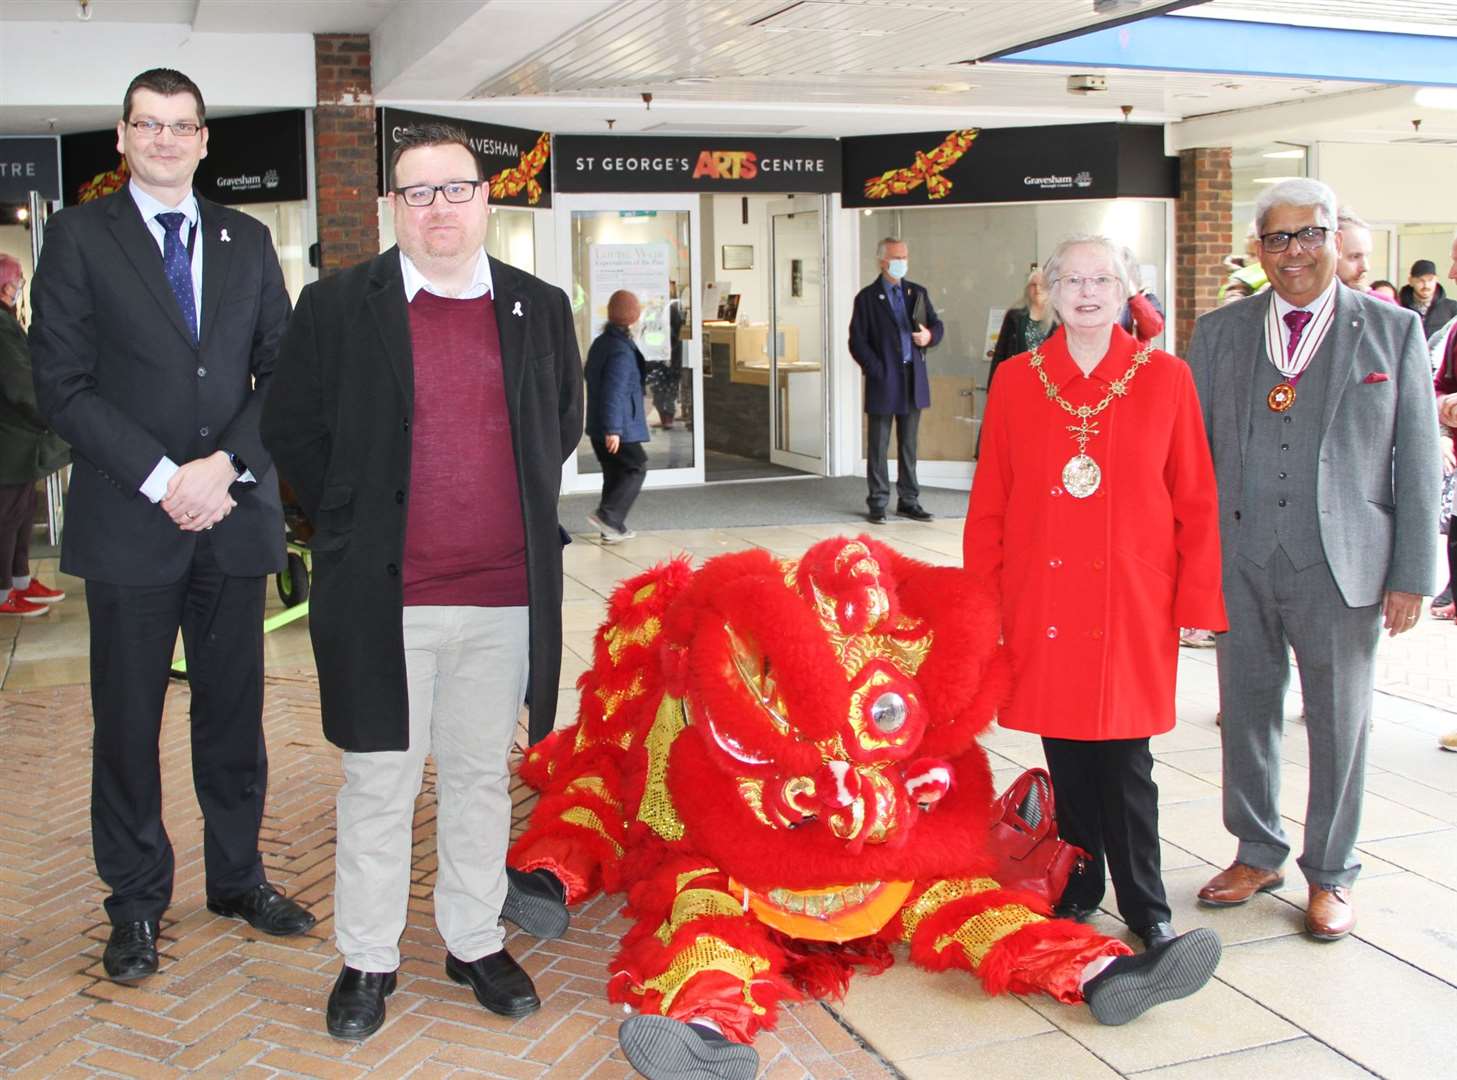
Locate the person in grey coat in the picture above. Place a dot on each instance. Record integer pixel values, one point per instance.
(1318, 405)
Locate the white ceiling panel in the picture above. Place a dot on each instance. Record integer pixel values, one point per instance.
(1433, 17)
(215, 16)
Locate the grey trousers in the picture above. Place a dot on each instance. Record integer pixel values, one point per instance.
(1335, 647)
(466, 669)
(877, 467)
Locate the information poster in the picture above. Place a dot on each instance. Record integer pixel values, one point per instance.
(641, 269)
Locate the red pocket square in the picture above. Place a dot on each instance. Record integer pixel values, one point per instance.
(1376, 376)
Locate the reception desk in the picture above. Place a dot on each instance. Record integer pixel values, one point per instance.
(736, 389)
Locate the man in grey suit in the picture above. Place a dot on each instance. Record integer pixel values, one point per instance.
(1321, 418)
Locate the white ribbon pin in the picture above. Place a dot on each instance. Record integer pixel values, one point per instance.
(517, 310)
(225, 238)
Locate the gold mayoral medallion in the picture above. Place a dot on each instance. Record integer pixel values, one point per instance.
(1082, 476)
(1281, 397)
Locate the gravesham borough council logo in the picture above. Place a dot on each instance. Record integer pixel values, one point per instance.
(1083, 179)
(270, 178)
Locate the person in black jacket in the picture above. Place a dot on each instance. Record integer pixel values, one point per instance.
(1424, 294)
(616, 377)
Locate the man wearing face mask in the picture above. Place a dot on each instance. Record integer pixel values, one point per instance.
(892, 326)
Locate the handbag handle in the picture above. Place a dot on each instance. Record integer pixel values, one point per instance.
(1008, 810)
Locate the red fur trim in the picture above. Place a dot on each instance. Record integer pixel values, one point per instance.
(819, 969)
(1046, 957)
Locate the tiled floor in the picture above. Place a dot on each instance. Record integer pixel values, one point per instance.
(229, 1002)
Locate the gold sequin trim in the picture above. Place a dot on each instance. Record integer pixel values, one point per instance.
(580, 815)
(979, 933)
(656, 809)
(593, 785)
(697, 904)
(614, 701)
(619, 638)
(684, 878)
(938, 896)
(708, 954)
(643, 593)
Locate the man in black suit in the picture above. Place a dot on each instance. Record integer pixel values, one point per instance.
(424, 403)
(157, 319)
(891, 327)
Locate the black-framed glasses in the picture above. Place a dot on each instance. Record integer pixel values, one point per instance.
(1309, 238)
(183, 129)
(455, 191)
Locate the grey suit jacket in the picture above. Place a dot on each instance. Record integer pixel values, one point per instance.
(1378, 482)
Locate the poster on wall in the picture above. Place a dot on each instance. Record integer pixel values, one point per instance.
(702, 163)
(641, 269)
(250, 159)
(515, 161)
(987, 165)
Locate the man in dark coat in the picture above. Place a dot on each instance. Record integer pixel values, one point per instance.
(424, 403)
(29, 451)
(1423, 294)
(157, 321)
(616, 423)
(892, 326)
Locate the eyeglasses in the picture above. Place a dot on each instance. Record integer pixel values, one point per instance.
(183, 129)
(1309, 238)
(1099, 282)
(455, 191)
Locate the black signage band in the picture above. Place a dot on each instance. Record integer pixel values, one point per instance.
(630, 163)
(516, 162)
(29, 163)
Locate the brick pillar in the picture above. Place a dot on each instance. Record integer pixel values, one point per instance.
(345, 152)
(1202, 228)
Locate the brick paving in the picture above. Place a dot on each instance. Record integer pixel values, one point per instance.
(229, 1001)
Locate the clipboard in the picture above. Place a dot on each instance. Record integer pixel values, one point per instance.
(918, 310)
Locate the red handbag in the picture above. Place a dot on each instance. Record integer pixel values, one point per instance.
(1023, 839)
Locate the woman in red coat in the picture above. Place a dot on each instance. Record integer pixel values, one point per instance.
(1094, 511)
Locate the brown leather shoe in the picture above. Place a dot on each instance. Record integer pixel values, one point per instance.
(1329, 916)
(1236, 884)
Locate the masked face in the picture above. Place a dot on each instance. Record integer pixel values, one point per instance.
(894, 262)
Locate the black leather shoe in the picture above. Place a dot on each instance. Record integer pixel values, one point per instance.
(662, 1048)
(1131, 985)
(131, 952)
(876, 517)
(1073, 912)
(915, 513)
(356, 1004)
(264, 908)
(498, 983)
(536, 902)
(1156, 935)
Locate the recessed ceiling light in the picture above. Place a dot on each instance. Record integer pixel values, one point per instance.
(1190, 95)
(1436, 97)
(1285, 154)
(950, 87)
(693, 80)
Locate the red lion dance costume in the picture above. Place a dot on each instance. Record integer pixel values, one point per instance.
(777, 762)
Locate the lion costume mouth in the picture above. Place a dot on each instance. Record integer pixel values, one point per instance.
(838, 913)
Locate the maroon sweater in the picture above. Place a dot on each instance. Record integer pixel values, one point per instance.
(465, 544)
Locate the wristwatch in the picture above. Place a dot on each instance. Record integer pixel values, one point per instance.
(239, 465)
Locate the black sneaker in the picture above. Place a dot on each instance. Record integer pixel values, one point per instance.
(1131, 985)
(915, 513)
(661, 1048)
(876, 517)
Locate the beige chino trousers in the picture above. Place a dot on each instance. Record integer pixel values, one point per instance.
(466, 669)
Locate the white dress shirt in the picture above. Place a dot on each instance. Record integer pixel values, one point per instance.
(480, 284)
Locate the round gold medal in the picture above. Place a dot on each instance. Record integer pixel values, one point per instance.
(1081, 476)
(1281, 397)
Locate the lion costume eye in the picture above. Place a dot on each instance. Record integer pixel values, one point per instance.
(889, 712)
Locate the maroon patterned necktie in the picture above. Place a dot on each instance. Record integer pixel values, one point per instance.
(1297, 321)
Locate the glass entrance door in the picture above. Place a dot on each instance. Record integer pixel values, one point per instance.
(798, 357)
(648, 245)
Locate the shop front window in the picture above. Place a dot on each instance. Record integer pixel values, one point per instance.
(974, 261)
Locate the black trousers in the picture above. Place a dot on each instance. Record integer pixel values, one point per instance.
(623, 474)
(1108, 804)
(877, 469)
(133, 632)
(17, 521)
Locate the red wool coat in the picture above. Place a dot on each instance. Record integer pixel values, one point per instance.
(1093, 591)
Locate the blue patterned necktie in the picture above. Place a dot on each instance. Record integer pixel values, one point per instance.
(177, 264)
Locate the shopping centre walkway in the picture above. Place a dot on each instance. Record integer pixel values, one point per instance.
(230, 1002)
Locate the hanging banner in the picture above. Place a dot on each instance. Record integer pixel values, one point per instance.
(250, 159)
(515, 161)
(722, 163)
(641, 269)
(988, 165)
(29, 163)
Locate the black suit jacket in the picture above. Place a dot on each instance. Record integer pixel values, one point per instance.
(118, 377)
(337, 420)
